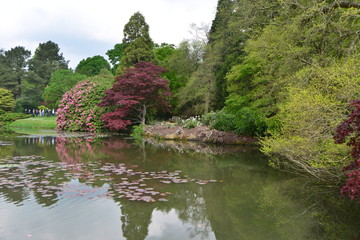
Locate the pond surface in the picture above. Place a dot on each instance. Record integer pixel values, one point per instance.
(54, 187)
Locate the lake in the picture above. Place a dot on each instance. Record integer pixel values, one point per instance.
(113, 187)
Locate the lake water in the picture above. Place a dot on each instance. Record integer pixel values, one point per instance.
(57, 187)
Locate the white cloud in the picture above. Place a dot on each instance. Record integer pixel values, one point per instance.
(97, 25)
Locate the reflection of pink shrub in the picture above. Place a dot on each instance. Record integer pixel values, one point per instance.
(78, 110)
(76, 153)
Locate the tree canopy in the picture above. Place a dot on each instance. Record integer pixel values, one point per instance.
(60, 82)
(7, 101)
(138, 44)
(135, 94)
(13, 65)
(92, 66)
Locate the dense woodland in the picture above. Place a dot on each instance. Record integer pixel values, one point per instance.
(284, 71)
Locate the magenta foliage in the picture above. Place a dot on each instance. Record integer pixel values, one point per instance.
(350, 128)
(137, 91)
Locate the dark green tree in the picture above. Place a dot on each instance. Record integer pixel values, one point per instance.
(31, 90)
(92, 66)
(139, 45)
(46, 60)
(13, 65)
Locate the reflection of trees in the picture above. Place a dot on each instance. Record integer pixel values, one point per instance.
(336, 218)
(254, 202)
(136, 218)
(7, 148)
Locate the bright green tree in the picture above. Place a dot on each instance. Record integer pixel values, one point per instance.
(60, 82)
(7, 101)
(115, 55)
(163, 52)
(92, 66)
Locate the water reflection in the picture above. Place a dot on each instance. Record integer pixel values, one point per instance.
(195, 194)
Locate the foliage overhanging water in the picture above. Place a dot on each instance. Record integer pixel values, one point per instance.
(114, 188)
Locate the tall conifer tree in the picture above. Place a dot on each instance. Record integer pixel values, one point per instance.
(138, 44)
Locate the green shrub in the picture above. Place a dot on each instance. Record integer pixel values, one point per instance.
(137, 132)
(6, 117)
(242, 122)
(249, 122)
(223, 122)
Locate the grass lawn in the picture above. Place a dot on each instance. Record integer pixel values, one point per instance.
(35, 122)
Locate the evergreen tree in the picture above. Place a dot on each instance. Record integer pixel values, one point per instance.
(138, 44)
(46, 60)
(13, 65)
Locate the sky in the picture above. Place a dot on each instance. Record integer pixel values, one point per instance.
(85, 28)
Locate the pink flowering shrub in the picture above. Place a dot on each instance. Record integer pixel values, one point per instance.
(78, 110)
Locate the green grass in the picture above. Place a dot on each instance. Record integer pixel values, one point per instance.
(35, 122)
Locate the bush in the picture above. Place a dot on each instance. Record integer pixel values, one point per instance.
(7, 101)
(78, 110)
(221, 121)
(243, 122)
(137, 131)
(6, 118)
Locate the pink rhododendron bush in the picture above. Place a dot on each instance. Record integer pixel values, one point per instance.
(78, 110)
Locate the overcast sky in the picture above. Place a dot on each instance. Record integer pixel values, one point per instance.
(85, 28)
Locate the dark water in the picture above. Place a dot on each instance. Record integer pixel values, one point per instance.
(116, 188)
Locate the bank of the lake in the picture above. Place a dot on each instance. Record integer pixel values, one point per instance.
(197, 133)
(164, 131)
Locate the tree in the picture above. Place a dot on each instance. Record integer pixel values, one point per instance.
(135, 93)
(31, 90)
(7, 101)
(42, 65)
(46, 60)
(164, 51)
(60, 82)
(115, 55)
(92, 66)
(349, 131)
(13, 65)
(138, 44)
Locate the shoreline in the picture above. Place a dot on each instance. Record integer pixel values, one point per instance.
(198, 133)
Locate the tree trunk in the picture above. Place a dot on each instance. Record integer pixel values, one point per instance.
(143, 115)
